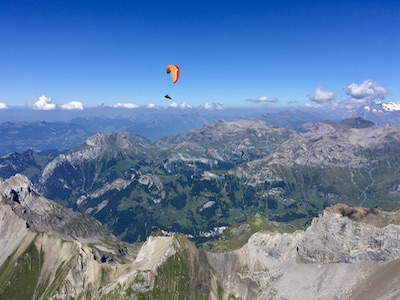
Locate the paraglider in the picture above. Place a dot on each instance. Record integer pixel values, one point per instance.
(175, 72)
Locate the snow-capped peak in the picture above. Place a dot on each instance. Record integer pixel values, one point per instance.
(391, 106)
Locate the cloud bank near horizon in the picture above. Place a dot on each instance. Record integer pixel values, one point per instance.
(264, 99)
(182, 105)
(353, 94)
(46, 103)
(125, 105)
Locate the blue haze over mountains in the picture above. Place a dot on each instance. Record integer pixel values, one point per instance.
(24, 128)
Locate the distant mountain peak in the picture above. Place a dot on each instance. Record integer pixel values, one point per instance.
(357, 122)
(382, 107)
(96, 140)
(123, 140)
(391, 106)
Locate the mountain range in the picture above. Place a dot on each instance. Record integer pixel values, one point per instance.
(50, 252)
(202, 180)
(230, 209)
(64, 131)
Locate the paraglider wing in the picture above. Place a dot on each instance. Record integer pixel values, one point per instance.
(167, 96)
(175, 72)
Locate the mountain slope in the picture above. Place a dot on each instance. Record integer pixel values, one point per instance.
(65, 252)
(333, 163)
(219, 145)
(343, 252)
(223, 173)
(157, 185)
(61, 254)
(100, 159)
(29, 163)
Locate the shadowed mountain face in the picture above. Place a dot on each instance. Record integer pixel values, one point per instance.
(223, 173)
(29, 163)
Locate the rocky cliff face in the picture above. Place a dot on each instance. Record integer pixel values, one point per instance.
(344, 234)
(337, 257)
(18, 194)
(50, 252)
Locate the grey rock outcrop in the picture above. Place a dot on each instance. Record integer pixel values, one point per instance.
(43, 215)
(55, 252)
(326, 144)
(336, 238)
(335, 258)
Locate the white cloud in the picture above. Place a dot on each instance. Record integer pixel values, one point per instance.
(213, 106)
(151, 105)
(44, 103)
(365, 92)
(72, 105)
(3, 105)
(207, 106)
(320, 96)
(182, 105)
(126, 105)
(185, 105)
(264, 99)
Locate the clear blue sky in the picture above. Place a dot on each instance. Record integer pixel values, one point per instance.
(116, 51)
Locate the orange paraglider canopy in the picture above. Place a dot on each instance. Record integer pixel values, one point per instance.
(175, 72)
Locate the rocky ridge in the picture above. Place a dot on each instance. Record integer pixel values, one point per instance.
(352, 148)
(43, 215)
(50, 252)
(339, 254)
(342, 252)
(329, 144)
(97, 146)
(221, 142)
